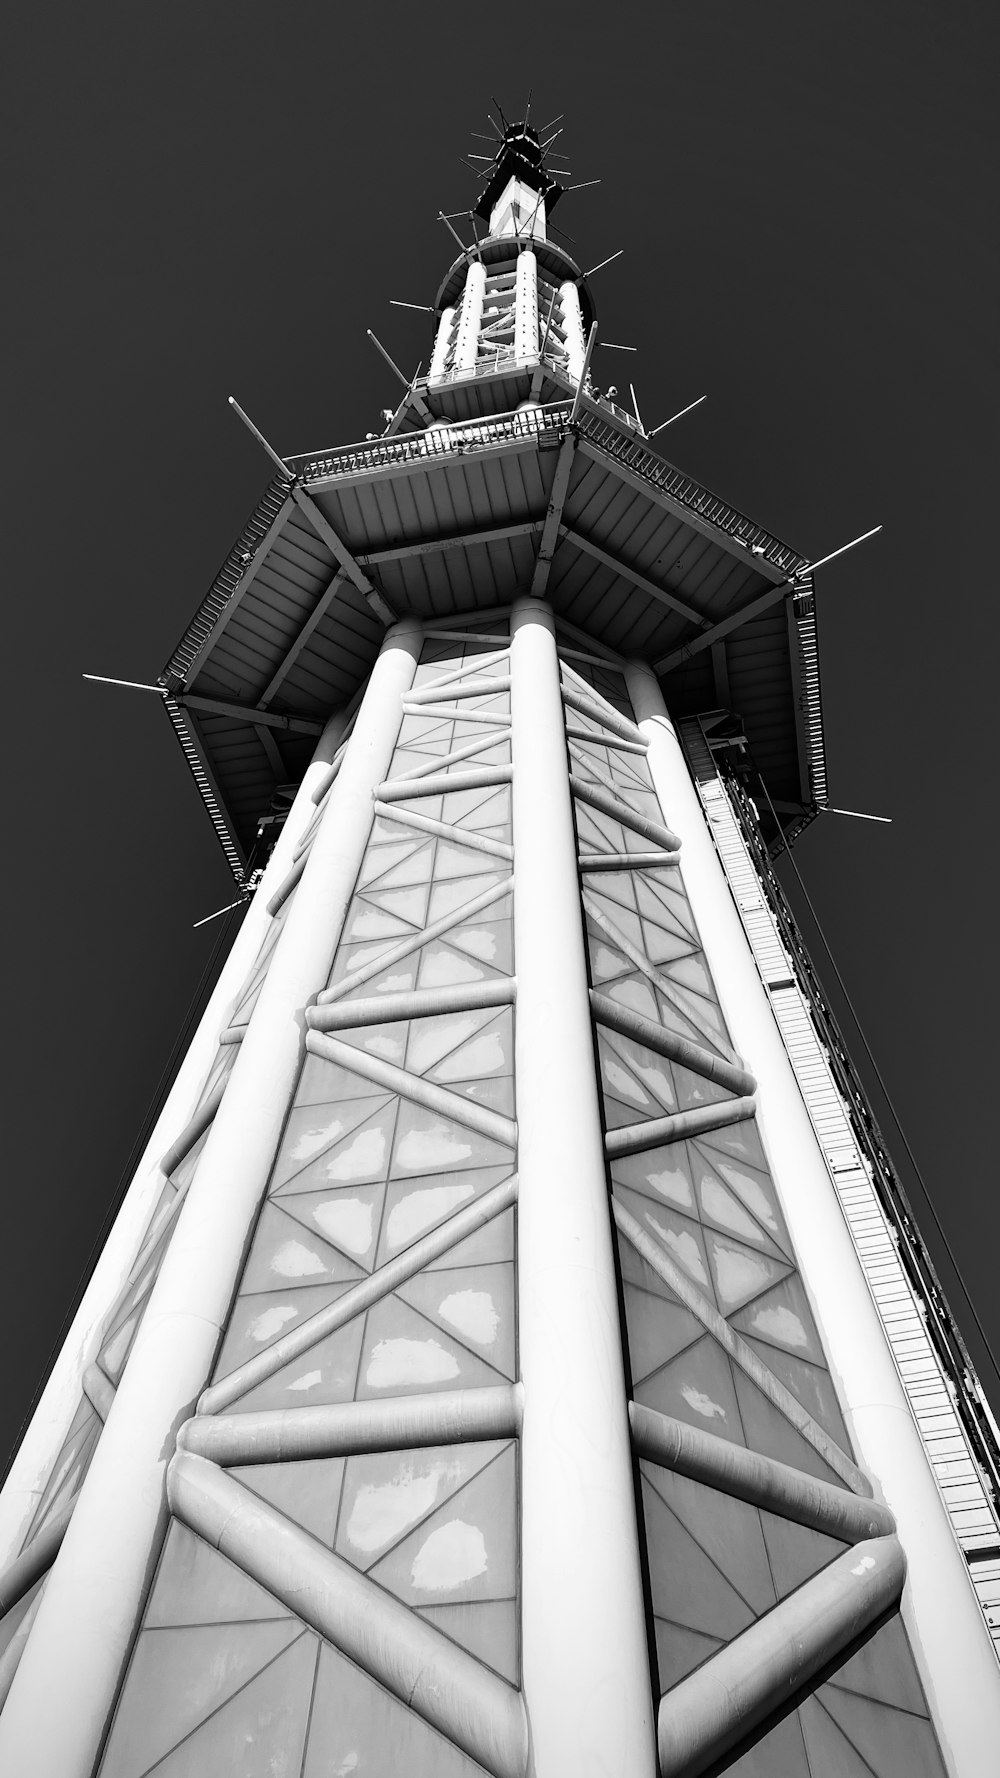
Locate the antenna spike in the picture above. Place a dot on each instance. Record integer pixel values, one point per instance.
(679, 415)
(810, 567)
(220, 911)
(389, 361)
(259, 436)
(130, 684)
(600, 267)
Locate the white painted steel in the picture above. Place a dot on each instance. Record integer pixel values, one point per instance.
(585, 1663)
(96, 1588)
(952, 1649)
(929, 1390)
(526, 306)
(442, 341)
(40, 1445)
(746, 1682)
(469, 1703)
(572, 317)
(471, 317)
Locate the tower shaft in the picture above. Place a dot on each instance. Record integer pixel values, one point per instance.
(515, 1355)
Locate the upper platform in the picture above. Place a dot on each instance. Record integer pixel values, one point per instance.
(503, 471)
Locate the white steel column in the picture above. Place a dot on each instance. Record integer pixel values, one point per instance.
(572, 315)
(439, 356)
(526, 306)
(96, 1589)
(950, 1641)
(29, 1472)
(585, 1661)
(471, 318)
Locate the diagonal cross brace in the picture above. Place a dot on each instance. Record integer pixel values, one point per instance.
(359, 1297)
(739, 1351)
(761, 1481)
(466, 1701)
(354, 571)
(738, 1695)
(553, 517)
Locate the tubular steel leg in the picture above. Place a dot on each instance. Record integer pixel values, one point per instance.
(950, 1642)
(96, 1589)
(586, 1670)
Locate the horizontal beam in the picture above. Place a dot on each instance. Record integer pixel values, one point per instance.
(637, 1138)
(609, 805)
(628, 860)
(667, 1043)
(619, 725)
(20, 1575)
(421, 1003)
(10, 1659)
(739, 1351)
(323, 604)
(620, 745)
(469, 1112)
(349, 1429)
(250, 713)
(289, 882)
(476, 663)
(747, 1687)
(478, 778)
(760, 1481)
(446, 830)
(469, 751)
(754, 608)
(183, 1144)
(360, 1297)
(486, 718)
(99, 1390)
(477, 688)
(661, 594)
(661, 983)
(465, 1701)
(340, 552)
(327, 780)
(431, 546)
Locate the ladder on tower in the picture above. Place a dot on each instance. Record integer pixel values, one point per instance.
(956, 1425)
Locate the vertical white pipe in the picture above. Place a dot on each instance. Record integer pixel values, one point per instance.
(471, 318)
(585, 1663)
(38, 1449)
(439, 356)
(96, 1589)
(526, 307)
(949, 1638)
(572, 315)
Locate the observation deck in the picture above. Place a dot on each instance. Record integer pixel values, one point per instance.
(448, 512)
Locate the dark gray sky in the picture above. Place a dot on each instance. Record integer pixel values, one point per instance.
(205, 200)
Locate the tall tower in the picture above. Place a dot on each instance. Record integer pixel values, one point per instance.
(515, 1354)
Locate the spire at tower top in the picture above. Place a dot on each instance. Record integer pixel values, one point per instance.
(519, 186)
